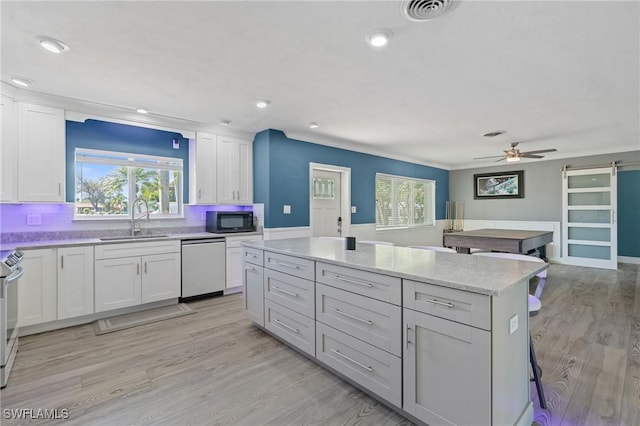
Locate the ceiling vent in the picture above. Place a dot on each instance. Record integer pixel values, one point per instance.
(425, 10)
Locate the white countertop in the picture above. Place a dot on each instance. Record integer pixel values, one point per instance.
(25, 245)
(477, 274)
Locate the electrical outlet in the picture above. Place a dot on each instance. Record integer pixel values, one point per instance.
(513, 324)
(34, 219)
(353, 209)
(287, 209)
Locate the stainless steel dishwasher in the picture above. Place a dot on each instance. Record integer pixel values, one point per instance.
(203, 267)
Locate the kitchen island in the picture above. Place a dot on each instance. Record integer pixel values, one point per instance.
(440, 337)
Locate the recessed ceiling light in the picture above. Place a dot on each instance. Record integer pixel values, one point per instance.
(142, 110)
(313, 125)
(53, 45)
(263, 103)
(379, 38)
(21, 81)
(225, 122)
(494, 133)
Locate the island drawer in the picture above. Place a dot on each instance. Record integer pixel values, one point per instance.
(291, 265)
(372, 368)
(374, 285)
(251, 255)
(290, 326)
(457, 305)
(295, 293)
(369, 320)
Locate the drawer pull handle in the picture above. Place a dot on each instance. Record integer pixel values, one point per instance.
(288, 265)
(285, 292)
(346, 280)
(352, 316)
(295, 330)
(369, 369)
(249, 268)
(437, 302)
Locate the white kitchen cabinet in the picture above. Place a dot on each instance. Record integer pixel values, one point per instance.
(253, 291)
(37, 301)
(234, 258)
(134, 273)
(118, 283)
(160, 278)
(235, 171)
(8, 151)
(41, 154)
(445, 368)
(75, 281)
(202, 169)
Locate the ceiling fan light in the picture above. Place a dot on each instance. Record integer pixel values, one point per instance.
(513, 159)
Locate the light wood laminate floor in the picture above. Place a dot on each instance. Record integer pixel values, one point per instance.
(214, 367)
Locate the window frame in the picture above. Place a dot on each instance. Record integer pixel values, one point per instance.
(131, 161)
(396, 180)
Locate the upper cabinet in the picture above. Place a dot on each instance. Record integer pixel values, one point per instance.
(235, 171)
(41, 154)
(202, 169)
(220, 170)
(8, 151)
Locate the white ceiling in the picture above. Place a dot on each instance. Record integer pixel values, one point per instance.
(553, 74)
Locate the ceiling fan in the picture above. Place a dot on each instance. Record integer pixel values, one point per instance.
(513, 154)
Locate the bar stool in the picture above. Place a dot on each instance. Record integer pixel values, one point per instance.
(534, 308)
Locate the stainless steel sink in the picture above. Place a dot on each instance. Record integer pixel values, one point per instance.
(133, 237)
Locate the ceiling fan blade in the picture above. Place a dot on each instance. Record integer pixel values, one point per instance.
(525, 155)
(491, 156)
(540, 151)
(503, 158)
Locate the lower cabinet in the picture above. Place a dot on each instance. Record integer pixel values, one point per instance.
(75, 281)
(123, 279)
(253, 292)
(447, 374)
(37, 292)
(234, 259)
(291, 326)
(373, 368)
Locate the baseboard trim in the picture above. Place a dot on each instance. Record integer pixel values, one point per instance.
(629, 259)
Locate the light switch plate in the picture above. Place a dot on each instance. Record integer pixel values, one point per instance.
(287, 209)
(353, 209)
(513, 324)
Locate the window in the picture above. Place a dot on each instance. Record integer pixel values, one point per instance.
(107, 183)
(403, 202)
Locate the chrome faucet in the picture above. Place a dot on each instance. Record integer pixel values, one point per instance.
(135, 230)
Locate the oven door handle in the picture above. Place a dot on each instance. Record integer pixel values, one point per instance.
(17, 274)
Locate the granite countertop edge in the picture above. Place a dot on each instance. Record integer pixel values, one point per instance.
(539, 267)
(77, 242)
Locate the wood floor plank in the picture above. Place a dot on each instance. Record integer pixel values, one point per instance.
(631, 397)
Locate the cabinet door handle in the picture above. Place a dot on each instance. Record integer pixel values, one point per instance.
(406, 335)
(249, 268)
(352, 316)
(285, 292)
(346, 280)
(437, 302)
(295, 330)
(288, 265)
(199, 194)
(59, 188)
(62, 262)
(145, 267)
(137, 269)
(369, 369)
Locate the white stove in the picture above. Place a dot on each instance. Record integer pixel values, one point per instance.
(10, 272)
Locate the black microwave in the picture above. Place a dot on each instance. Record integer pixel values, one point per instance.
(221, 222)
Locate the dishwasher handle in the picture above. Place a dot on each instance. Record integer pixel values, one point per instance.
(202, 241)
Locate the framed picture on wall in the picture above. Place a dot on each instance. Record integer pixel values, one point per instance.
(498, 185)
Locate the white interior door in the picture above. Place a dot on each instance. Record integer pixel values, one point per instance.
(326, 203)
(589, 222)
